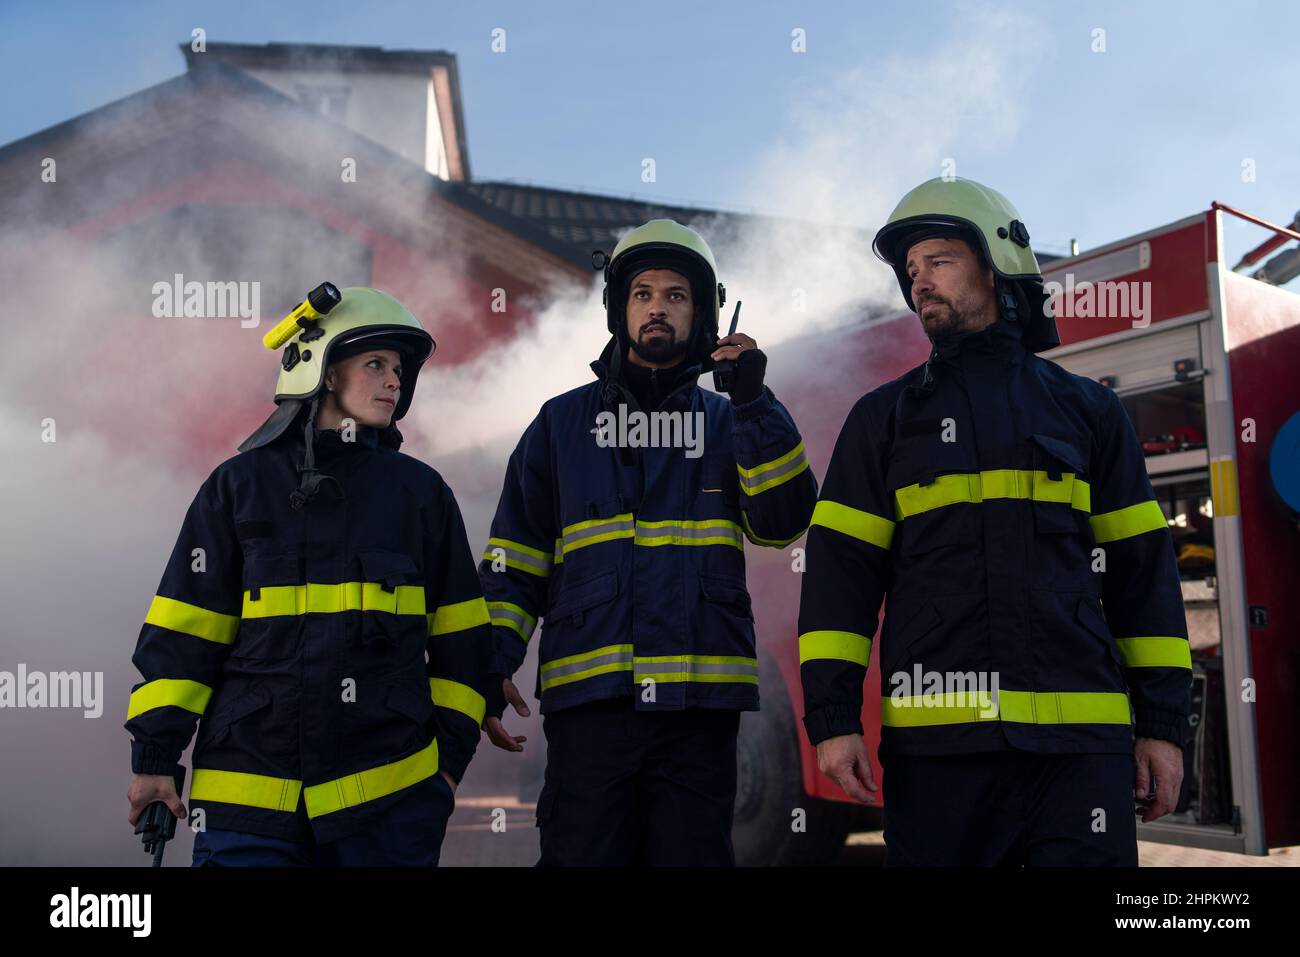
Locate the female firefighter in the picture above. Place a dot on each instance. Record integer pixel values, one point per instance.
(313, 572)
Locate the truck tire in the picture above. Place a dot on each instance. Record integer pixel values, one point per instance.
(770, 788)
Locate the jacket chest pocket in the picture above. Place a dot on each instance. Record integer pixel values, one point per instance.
(1061, 492)
(270, 567)
(393, 625)
(934, 487)
(924, 451)
(719, 484)
(270, 628)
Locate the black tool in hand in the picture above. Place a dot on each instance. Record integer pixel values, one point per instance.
(724, 371)
(157, 825)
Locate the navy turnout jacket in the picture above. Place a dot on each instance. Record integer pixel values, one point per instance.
(331, 657)
(1003, 505)
(634, 556)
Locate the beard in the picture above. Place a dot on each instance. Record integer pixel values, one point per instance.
(660, 349)
(948, 320)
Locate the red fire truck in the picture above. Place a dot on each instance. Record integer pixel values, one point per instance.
(1202, 357)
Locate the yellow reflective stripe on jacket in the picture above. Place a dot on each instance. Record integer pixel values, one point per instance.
(458, 697)
(1155, 652)
(250, 790)
(835, 646)
(180, 692)
(698, 668)
(314, 598)
(518, 556)
(768, 542)
(713, 531)
(448, 619)
(771, 474)
(1127, 522)
(864, 526)
(976, 487)
(512, 616)
(192, 620)
(582, 534)
(672, 531)
(563, 671)
(354, 789)
(1022, 707)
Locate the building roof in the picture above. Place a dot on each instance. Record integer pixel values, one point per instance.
(579, 223)
(341, 58)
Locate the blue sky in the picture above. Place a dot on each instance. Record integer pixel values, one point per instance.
(1089, 145)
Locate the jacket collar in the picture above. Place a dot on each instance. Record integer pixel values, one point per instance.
(1002, 340)
(330, 445)
(609, 370)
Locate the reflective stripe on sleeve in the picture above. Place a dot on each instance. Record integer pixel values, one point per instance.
(1155, 652)
(1127, 522)
(458, 697)
(512, 616)
(834, 646)
(448, 619)
(771, 474)
(864, 526)
(521, 557)
(193, 620)
(161, 692)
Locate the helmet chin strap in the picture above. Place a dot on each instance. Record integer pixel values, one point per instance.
(312, 478)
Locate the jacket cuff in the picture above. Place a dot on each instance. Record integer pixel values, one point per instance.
(832, 721)
(1168, 726)
(504, 657)
(494, 697)
(149, 759)
(453, 760)
(746, 411)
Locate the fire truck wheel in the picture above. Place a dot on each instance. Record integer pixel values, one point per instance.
(767, 829)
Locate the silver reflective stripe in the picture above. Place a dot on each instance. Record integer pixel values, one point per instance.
(571, 539)
(753, 481)
(688, 668)
(515, 555)
(559, 671)
(523, 623)
(680, 531)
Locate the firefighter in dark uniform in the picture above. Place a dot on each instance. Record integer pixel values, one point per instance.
(633, 553)
(314, 573)
(1034, 660)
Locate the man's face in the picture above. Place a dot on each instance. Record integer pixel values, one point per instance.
(659, 316)
(951, 291)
